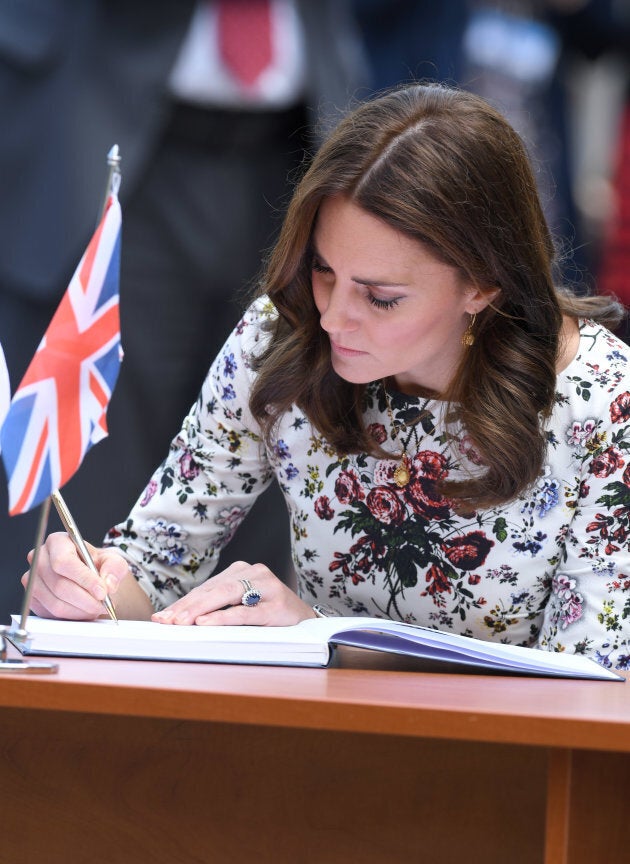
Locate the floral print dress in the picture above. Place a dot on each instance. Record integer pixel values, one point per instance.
(549, 570)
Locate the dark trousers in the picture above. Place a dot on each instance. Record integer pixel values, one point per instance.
(195, 229)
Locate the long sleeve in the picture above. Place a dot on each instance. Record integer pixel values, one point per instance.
(589, 604)
(215, 469)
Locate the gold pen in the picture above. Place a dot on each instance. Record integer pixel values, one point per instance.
(74, 534)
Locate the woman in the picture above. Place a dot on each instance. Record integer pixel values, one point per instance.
(451, 433)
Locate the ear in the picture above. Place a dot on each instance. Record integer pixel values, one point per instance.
(478, 297)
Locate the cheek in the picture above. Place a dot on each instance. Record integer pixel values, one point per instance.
(413, 337)
(431, 322)
(405, 335)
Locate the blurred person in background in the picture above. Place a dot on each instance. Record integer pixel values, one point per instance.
(412, 40)
(207, 149)
(592, 30)
(513, 56)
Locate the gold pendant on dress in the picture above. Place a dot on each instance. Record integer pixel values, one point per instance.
(402, 474)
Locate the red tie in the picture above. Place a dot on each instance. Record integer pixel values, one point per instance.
(244, 33)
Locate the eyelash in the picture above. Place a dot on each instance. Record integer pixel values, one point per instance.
(374, 301)
(382, 304)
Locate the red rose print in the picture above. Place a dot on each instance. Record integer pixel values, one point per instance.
(430, 464)
(469, 551)
(323, 509)
(384, 472)
(422, 495)
(348, 487)
(384, 504)
(606, 463)
(427, 468)
(620, 408)
(378, 432)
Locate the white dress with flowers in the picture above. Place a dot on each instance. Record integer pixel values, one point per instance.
(550, 570)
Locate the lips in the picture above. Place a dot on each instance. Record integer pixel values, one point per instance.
(345, 352)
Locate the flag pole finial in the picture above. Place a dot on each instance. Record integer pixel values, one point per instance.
(113, 176)
(113, 157)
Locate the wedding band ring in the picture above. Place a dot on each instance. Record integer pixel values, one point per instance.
(251, 597)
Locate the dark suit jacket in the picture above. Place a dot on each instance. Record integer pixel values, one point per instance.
(76, 78)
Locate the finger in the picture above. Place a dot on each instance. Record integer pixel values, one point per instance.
(238, 616)
(224, 589)
(278, 606)
(64, 600)
(39, 610)
(63, 585)
(64, 560)
(113, 568)
(204, 598)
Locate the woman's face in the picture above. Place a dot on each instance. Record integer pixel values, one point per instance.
(390, 308)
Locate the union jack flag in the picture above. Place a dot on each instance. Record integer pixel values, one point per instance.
(59, 410)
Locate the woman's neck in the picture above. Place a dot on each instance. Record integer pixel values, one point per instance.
(568, 343)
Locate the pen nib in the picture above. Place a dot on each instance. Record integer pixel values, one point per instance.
(110, 608)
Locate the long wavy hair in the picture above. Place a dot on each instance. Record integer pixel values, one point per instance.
(442, 166)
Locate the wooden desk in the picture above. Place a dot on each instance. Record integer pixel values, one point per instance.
(132, 762)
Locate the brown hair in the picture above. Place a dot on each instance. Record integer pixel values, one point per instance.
(443, 167)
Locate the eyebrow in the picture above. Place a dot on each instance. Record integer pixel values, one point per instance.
(380, 283)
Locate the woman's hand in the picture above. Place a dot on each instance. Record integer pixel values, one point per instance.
(218, 601)
(65, 587)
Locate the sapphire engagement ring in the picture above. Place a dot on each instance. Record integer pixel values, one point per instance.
(251, 597)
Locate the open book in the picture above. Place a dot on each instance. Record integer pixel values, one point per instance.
(309, 643)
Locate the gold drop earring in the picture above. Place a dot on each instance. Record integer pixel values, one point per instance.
(468, 337)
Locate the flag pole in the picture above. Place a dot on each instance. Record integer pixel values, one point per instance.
(42, 524)
(20, 635)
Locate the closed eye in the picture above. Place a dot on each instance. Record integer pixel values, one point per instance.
(319, 267)
(383, 304)
(377, 302)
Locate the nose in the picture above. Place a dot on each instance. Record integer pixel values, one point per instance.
(338, 316)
